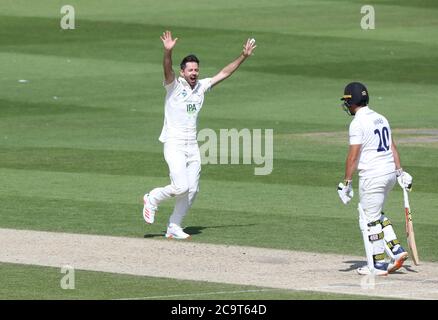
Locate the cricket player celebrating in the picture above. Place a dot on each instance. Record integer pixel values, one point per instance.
(184, 100)
(373, 152)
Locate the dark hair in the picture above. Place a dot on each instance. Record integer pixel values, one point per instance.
(189, 58)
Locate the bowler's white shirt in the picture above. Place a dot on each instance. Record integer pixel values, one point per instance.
(372, 131)
(181, 109)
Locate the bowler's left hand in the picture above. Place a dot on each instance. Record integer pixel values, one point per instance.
(248, 48)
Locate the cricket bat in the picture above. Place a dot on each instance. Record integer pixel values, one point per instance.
(410, 229)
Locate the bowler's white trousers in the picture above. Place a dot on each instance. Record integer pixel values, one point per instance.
(184, 161)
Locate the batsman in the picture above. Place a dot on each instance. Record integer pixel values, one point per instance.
(373, 153)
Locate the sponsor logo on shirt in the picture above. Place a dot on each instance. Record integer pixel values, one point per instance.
(378, 121)
(191, 108)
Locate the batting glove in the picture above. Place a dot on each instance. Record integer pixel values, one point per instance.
(404, 179)
(345, 191)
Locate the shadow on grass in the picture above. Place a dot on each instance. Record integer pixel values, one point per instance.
(154, 235)
(195, 230)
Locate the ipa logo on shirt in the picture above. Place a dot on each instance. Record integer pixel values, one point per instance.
(191, 108)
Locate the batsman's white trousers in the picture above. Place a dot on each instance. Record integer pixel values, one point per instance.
(373, 193)
(184, 162)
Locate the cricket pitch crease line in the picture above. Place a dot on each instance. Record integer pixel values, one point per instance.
(356, 285)
(419, 291)
(199, 294)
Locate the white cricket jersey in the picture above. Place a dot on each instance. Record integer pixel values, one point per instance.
(181, 110)
(373, 132)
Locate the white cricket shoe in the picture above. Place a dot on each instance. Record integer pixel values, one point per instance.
(148, 210)
(400, 257)
(174, 231)
(380, 269)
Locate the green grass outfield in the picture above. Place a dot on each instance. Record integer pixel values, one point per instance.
(79, 141)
